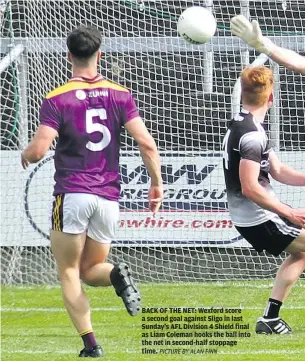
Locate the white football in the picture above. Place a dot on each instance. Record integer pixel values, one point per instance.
(196, 25)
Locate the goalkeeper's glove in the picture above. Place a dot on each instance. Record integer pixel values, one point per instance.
(251, 34)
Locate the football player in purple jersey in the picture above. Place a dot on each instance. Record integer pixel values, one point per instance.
(87, 114)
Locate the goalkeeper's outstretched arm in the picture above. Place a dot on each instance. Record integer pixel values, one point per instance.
(251, 34)
(288, 58)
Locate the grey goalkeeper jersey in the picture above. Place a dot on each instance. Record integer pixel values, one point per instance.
(245, 139)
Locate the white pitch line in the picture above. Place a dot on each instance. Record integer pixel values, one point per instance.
(115, 309)
(61, 352)
(34, 309)
(219, 284)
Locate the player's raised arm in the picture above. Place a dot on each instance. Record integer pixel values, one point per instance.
(251, 34)
(283, 173)
(137, 129)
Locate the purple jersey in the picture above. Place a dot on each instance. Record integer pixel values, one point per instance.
(88, 115)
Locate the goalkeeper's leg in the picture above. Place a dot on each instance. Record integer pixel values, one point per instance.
(286, 277)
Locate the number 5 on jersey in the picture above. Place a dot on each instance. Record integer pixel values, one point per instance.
(225, 149)
(97, 127)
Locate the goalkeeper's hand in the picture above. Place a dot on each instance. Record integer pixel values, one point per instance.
(250, 33)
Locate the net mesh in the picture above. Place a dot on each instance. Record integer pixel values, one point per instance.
(184, 94)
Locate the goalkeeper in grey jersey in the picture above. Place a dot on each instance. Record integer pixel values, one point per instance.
(251, 34)
(294, 265)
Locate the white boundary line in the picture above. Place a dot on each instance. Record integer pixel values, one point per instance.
(37, 309)
(217, 284)
(62, 352)
(115, 309)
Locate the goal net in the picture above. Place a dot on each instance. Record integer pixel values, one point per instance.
(184, 93)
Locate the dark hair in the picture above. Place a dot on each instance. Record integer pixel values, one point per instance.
(83, 42)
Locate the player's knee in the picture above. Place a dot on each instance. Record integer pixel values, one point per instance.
(68, 274)
(87, 278)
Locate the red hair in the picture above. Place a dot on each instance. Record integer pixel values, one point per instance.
(256, 85)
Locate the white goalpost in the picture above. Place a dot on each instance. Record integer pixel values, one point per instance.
(186, 95)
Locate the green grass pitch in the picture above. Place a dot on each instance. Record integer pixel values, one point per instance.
(36, 327)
